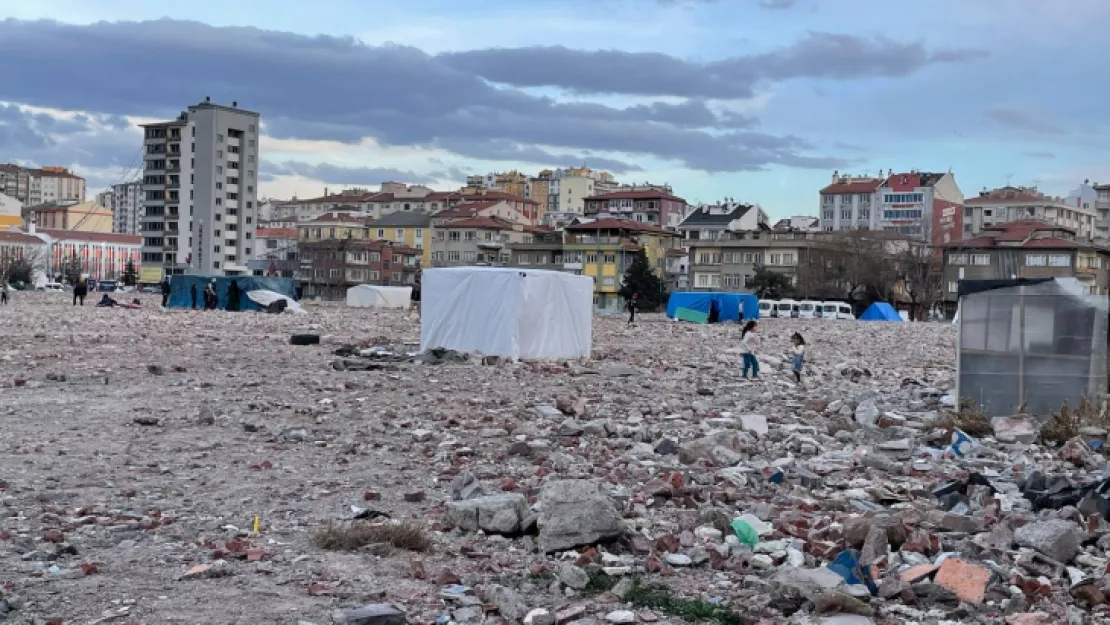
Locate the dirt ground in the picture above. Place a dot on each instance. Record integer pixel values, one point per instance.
(136, 444)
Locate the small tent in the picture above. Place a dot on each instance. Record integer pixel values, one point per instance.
(880, 311)
(728, 305)
(505, 312)
(372, 296)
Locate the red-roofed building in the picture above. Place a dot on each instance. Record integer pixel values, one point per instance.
(1007, 204)
(103, 256)
(604, 248)
(656, 206)
(528, 208)
(393, 197)
(848, 203)
(482, 208)
(330, 267)
(1024, 249)
(478, 240)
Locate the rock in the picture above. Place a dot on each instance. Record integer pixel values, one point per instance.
(677, 559)
(415, 496)
(547, 411)
(539, 616)
(621, 616)
(575, 513)
(1017, 429)
(155, 370)
(867, 413)
(1056, 538)
(422, 436)
(754, 423)
(374, 614)
(666, 447)
(1078, 452)
(466, 486)
(147, 421)
(206, 416)
(967, 581)
(806, 583)
(508, 601)
(573, 576)
(497, 514)
(572, 406)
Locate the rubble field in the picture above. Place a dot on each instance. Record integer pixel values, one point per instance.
(196, 467)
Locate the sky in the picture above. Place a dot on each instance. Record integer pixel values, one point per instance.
(755, 100)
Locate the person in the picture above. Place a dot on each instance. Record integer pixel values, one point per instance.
(632, 304)
(80, 290)
(106, 302)
(747, 351)
(799, 356)
(233, 296)
(211, 300)
(4, 293)
(165, 292)
(414, 299)
(193, 293)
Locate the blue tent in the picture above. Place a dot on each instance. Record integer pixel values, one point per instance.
(181, 289)
(728, 304)
(880, 311)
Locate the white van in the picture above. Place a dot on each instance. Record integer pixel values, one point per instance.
(766, 308)
(52, 287)
(808, 309)
(836, 310)
(785, 308)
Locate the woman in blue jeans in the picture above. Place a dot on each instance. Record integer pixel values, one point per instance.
(747, 345)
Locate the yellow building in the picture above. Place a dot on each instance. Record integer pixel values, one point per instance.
(539, 189)
(331, 226)
(11, 212)
(410, 229)
(512, 182)
(604, 249)
(82, 217)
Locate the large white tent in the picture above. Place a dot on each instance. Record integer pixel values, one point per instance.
(372, 296)
(511, 313)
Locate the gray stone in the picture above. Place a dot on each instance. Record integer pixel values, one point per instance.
(466, 486)
(1017, 429)
(667, 446)
(621, 616)
(1055, 538)
(623, 588)
(496, 514)
(547, 411)
(573, 576)
(807, 583)
(754, 423)
(374, 614)
(867, 413)
(677, 559)
(508, 601)
(422, 436)
(724, 457)
(575, 513)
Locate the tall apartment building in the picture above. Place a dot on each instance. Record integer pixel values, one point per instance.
(199, 183)
(1011, 204)
(126, 203)
(1102, 211)
(914, 204)
(51, 185)
(15, 182)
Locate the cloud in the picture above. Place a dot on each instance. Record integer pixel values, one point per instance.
(502, 150)
(354, 176)
(1025, 119)
(817, 55)
(323, 87)
(777, 4)
(1040, 154)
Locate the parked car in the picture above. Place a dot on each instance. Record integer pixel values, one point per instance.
(52, 287)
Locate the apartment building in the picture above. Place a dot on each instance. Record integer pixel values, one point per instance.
(1102, 211)
(484, 208)
(544, 251)
(1024, 249)
(603, 249)
(849, 203)
(15, 182)
(331, 267)
(393, 197)
(275, 252)
(477, 241)
(200, 177)
(332, 226)
(709, 222)
(528, 208)
(410, 229)
(655, 206)
(11, 212)
(126, 203)
(730, 264)
(915, 204)
(539, 189)
(1009, 204)
(55, 185)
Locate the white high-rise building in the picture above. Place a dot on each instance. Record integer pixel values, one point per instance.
(200, 180)
(126, 202)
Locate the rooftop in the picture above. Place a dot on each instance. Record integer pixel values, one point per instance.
(706, 216)
(275, 233)
(1011, 195)
(404, 219)
(488, 223)
(1023, 234)
(499, 195)
(855, 185)
(93, 237)
(646, 194)
(618, 224)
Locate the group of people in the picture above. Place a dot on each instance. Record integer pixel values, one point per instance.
(750, 364)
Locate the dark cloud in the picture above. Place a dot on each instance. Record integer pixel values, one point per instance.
(353, 176)
(1026, 120)
(817, 55)
(337, 88)
(38, 139)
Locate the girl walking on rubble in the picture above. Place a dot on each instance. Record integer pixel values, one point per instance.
(747, 351)
(799, 356)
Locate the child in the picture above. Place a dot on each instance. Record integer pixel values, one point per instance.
(747, 344)
(799, 355)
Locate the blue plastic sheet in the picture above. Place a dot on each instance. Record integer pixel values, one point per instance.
(728, 304)
(181, 289)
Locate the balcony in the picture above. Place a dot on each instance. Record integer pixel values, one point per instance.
(572, 266)
(490, 245)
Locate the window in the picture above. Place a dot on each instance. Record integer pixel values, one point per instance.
(709, 258)
(981, 259)
(957, 259)
(1059, 260)
(219, 138)
(609, 281)
(381, 233)
(591, 258)
(453, 235)
(846, 214)
(828, 200)
(953, 286)
(903, 198)
(399, 235)
(829, 215)
(220, 185)
(892, 215)
(419, 234)
(610, 259)
(250, 129)
(707, 280)
(232, 196)
(788, 259)
(453, 256)
(471, 235)
(219, 153)
(470, 257)
(865, 213)
(1035, 260)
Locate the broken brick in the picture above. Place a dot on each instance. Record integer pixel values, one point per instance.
(967, 581)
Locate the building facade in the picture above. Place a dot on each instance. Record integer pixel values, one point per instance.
(55, 185)
(1024, 249)
(11, 212)
(85, 217)
(709, 222)
(200, 180)
(102, 255)
(331, 267)
(1102, 211)
(477, 241)
(15, 182)
(730, 264)
(410, 229)
(604, 249)
(658, 207)
(1009, 204)
(275, 252)
(849, 203)
(126, 203)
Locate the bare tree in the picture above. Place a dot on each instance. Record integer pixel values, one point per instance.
(864, 266)
(22, 268)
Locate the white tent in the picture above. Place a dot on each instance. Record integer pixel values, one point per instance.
(512, 313)
(264, 298)
(371, 296)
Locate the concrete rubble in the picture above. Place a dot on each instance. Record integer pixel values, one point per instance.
(166, 467)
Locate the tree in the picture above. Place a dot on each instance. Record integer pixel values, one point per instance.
(639, 278)
(73, 269)
(130, 277)
(22, 269)
(769, 284)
